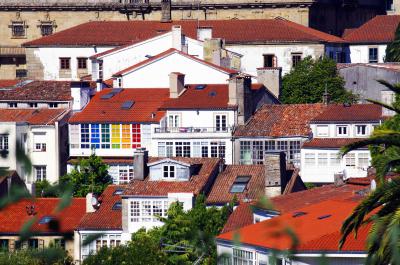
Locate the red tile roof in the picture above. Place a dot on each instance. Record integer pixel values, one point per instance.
(8, 82)
(167, 53)
(32, 116)
(196, 185)
(280, 121)
(351, 113)
(294, 201)
(318, 230)
(242, 216)
(213, 96)
(146, 102)
(41, 91)
(220, 192)
(13, 217)
(104, 218)
(380, 29)
(115, 33)
(330, 143)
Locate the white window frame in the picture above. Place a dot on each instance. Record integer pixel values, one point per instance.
(338, 129)
(4, 142)
(174, 120)
(357, 126)
(361, 157)
(322, 159)
(348, 160)
(148, 210)
(308, 157)
(218, 122)
(171, 170)
(40, 173)
(318, 128)
(245, 257)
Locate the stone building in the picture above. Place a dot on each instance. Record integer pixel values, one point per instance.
(23, 20)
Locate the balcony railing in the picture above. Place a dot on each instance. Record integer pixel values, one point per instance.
(193, 129)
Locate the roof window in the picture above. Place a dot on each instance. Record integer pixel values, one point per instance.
(200, 87)
(45, 220)
(118, 191)
(298, 214)
(324, 216)
(117, 206)
(127, 104)
(240, 184)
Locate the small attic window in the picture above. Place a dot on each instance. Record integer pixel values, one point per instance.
(324, 216)
(107, 96)
(127, 104)
(298, 214)
(200, 87)
(117, 206)
(45, 220)
(240, 184)
(118, 192)
(212, 93)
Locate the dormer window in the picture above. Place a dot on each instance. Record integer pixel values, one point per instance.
(169, 171)
(240, 184)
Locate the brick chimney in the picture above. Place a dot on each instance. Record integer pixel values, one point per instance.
(176, 84)
(271, 78)
(240, 96)
(212, 49)
(165, 10)
(275, 173)
(140, 158)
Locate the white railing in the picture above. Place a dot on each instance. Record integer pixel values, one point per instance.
(193, 129)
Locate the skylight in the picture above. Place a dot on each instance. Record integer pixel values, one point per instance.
(240, 184)
(117, 206)
(127, 104)
(45, 220)
(324, 216)
(107, 96)
(118, 192)
(200, 87)
(298, 214)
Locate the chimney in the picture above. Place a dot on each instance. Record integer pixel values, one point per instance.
(339, 179)
(92, 202)
(165, 10)
(140, 157)
(271, 78)
(176, 84)
(240, 96)
(275, 173)
(80, 94)
(177, 38)
(99, 85)
(204, 33)
(212, 50)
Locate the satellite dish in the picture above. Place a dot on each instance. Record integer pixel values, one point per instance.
(95, 202)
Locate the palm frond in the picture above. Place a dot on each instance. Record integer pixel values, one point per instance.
(384, 105)
(393, 87)
(389, 139)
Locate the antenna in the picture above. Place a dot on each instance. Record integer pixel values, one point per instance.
(325, 96)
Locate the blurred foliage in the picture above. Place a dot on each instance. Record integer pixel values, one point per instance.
(47, 256)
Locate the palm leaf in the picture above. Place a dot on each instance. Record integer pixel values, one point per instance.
(393, 87)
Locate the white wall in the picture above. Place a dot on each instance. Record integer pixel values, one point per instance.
(332, 130)
(131, 55)
(317, 173)
(49, 57)
(156, 74)
(253, 54)
(360, 53)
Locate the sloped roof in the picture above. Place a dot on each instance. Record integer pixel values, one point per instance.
(167, 53)
(350, 113)
(14, 216)
(220, 192)
(38, 91)
(317, 230)
(273, 120)
(146, 101)
(380, 29)
(294, 201)
(8, 82)
(104, 218)
(32, 116)
(330, 143)
(196, 184)
(115, 33)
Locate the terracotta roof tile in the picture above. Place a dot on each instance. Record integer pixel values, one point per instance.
(330, 143)
(318, 230)
(196, 185)
(32, 116)
(146, 102)
(104, 218)
(280, 121)
(15, 215)
(220, 192)
(294, 201)
(168, 53)
(8, 82)
(115, 33)
(380, 29)
(242, 216)
(38, 91)
(351, 113)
